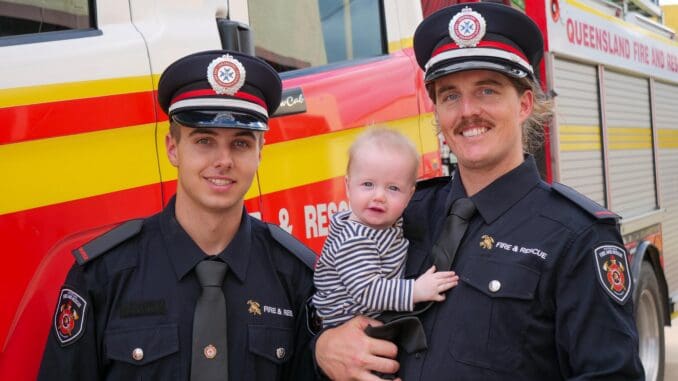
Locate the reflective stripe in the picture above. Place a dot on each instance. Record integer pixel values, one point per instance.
(220, 102)
(488, 52)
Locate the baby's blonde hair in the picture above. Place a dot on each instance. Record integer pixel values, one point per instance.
(384, 138)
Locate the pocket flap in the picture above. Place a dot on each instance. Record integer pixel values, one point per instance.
(501, 279)
(273, 343)
(140, 346)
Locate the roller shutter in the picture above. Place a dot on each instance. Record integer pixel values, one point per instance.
(666, 119)
(578, 128)
(627, 111)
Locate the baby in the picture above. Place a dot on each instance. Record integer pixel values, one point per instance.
(363, 259)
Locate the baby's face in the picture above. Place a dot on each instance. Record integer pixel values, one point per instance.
(379, 186)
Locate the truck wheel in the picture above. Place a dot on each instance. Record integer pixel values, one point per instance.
(649, 313)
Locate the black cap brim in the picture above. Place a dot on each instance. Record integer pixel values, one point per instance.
(447, 67)
(219, 119)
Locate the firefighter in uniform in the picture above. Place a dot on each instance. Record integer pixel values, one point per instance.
(545, 288)
(127, 307)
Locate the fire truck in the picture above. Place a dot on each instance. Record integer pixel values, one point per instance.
(81, 134)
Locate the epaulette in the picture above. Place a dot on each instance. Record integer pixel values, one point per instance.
(592, 207)
(289, 242)
(107, 241)
(434, 181)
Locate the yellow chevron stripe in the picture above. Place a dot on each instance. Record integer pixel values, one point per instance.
(49, 171)
(626, 131)
(621, 138)
(579, 138)
(580, 147)
(579, 129)
(21, 96)
(668, 138)
(587, 138)
(394, 46)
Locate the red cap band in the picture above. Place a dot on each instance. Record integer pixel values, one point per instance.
(209, 92)
(481, 44)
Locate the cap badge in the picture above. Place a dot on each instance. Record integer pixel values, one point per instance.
(467, 28)
(226, 75)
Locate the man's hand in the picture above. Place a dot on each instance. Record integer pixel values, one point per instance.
(347, 353)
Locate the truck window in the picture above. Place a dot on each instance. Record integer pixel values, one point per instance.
(299, 34)
(25, 17)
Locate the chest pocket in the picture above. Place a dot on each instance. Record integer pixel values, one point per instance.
(140, 353)
(492, 313)
(271, 343)
(270, 348)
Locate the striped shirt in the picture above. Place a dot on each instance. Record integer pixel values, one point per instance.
(360, 271)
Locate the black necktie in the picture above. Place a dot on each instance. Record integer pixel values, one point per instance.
(456, 223)
(404, 328)
(209, 360)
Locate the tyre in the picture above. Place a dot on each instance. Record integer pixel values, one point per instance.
(649, 314)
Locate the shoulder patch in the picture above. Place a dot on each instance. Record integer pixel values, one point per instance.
(592, 207)
(289, 242)
(69, 317)
(613, 271)
(107, 241)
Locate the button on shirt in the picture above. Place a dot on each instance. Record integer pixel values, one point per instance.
(529, 305)
(141, 297)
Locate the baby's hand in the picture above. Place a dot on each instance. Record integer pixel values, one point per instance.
(431, 285)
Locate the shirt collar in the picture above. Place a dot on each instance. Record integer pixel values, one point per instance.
(237, 253)
(184, 253)
(495, 199)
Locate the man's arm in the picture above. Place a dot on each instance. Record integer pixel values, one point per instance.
(595, 331)
(347, 353)
(71, 349)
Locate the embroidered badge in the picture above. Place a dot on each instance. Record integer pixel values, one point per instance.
(254, 307)
(467, 28)
(277, 311)
(519, 249)
(486, 242)
(226, 75)
(613, 271)
(69, 318)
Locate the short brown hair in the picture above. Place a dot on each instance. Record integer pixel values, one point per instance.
(175, 130)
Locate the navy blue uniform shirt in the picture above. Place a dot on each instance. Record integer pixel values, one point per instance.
(142, 294)
(531, 303)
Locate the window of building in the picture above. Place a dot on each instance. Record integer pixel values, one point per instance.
(298, 34)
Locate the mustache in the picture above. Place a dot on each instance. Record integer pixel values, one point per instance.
(473, 122)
